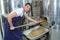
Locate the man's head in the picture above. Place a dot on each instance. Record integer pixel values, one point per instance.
(27, 7)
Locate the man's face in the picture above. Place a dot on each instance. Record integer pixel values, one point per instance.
(27, 8)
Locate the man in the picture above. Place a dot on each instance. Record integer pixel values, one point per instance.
(11, 33)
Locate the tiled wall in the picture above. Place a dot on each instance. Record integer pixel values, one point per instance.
(36, 9)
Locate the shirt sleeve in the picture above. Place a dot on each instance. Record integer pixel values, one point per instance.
(19, 12)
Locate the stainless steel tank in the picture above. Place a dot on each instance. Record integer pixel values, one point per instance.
(52, 11)
(55, 10)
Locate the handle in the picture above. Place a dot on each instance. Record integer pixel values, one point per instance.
(30, 24)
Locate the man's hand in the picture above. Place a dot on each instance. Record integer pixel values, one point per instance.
(12, 28)
(36, 22)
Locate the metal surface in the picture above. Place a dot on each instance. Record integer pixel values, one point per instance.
(55, 32)
(55, 16)
(52, 11)
(46, 4)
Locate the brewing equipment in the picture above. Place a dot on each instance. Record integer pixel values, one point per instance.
(52, 11)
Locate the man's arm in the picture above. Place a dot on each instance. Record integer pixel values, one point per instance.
(29, 18)
(10, 16)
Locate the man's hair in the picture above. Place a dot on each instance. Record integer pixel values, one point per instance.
(28, 4)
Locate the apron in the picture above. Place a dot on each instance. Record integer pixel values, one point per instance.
(15, 34)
